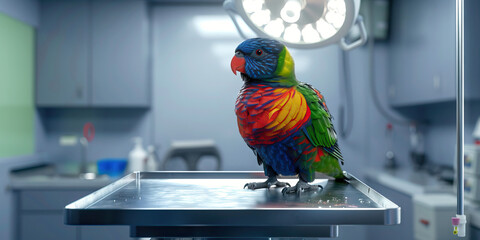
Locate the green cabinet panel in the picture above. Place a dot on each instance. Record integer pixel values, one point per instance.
(17, 108)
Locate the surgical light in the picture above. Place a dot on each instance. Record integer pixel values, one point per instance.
(301, 23)
(275, 28)
(292, 33)
(261, 17)
(310, 35)
(291, 11)
(252, 6)
(325, 29)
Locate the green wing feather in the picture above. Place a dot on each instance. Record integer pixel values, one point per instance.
(321, 131)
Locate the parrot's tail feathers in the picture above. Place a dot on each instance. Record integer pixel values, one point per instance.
(338, 152)
(335, 152)
(329, 165)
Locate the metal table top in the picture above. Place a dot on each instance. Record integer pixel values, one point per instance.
(191, 200)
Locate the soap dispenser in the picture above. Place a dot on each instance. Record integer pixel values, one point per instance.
(151, 159)
(137, 157)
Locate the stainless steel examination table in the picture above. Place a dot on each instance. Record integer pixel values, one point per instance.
(215, 204)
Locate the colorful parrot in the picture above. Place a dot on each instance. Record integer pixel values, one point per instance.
(284, 121)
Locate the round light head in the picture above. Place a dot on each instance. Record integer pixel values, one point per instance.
(291, 11)
(300, 23)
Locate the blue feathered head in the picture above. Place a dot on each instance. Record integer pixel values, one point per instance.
(258, 58)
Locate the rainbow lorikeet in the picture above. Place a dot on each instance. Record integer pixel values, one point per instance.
(284, 121)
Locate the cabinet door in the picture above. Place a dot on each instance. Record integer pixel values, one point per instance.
(475, 232)
(49, 200)
(105, 233)
(471, 50)
(62, 52)
(46, 225)
(422, 52)
(119, 53)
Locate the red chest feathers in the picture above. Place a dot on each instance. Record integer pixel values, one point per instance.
(266, 115)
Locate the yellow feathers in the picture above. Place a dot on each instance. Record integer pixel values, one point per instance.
(270, 114)
(291, 110)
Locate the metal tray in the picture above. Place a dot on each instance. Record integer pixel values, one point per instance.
(214, 204)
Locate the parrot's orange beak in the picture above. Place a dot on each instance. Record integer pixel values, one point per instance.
(238, 64)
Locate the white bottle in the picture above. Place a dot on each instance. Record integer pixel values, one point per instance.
(151, 160)
(137, 157)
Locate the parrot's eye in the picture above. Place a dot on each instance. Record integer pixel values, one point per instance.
(259, 52)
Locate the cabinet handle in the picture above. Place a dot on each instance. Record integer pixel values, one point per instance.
(424, 222)
(79, 92)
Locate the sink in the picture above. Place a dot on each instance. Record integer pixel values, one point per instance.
(68, 170)
(55, 176)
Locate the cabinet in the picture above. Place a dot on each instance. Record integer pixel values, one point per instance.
(119, 53)
(475, 232)
(45, 226)
(93, 54)
(40, 216)
(422, 52)
(62, 54)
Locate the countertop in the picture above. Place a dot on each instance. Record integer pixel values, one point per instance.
(51, 177)
(409, 181)
(412, 182)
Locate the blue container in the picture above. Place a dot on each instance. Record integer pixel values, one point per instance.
(113, 167)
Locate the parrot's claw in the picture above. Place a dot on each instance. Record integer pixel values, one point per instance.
(267, 184)
(300, 187)
(256, 185)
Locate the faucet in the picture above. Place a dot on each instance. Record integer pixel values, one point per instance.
(83, 165)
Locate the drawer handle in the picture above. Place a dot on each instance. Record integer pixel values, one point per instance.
(424, 222)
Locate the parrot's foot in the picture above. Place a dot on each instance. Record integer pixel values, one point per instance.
(272, 181)
(300, 187)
